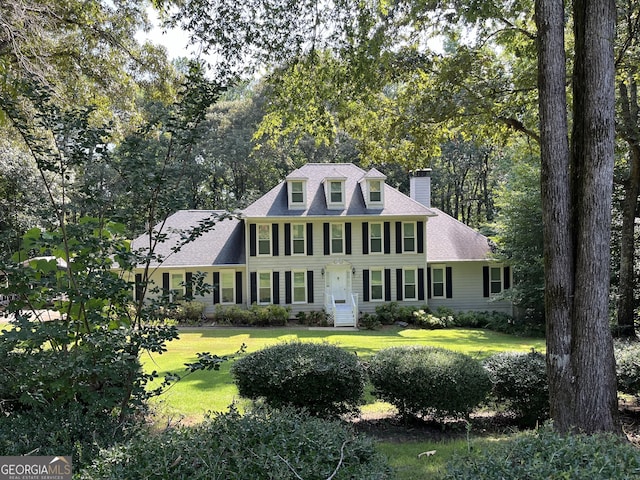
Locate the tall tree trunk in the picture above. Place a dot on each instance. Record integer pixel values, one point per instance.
(556, 216)
(593, 140)
(576, 194)
(629, 131)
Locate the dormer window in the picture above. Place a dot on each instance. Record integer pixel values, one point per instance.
(375, 191)
(335, 192)
(372, 186)
(335, 188)
(297, 195)
(297, 189)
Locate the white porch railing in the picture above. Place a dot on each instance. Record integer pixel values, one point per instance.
(354, 308)
(330, 304)
(343, 314)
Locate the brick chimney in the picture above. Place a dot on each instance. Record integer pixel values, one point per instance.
(420, 186)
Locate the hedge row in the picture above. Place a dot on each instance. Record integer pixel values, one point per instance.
(329, 381)
(261, 444)
(544, 454)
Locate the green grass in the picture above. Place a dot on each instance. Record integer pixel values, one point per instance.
(196, 394)
(411, 461)
(415, 460)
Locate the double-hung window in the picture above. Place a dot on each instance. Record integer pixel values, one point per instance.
(437, 281)
(177, 286)
(375, 191)
(495, 280)
(377, 284)
(299, 281)
(410, 284)
(264, 287)
(335, 192)
(298, 240)
(227, 287)
(264, 239)
(375, 238)
(408, 237)
(297, 194)
(337, 238)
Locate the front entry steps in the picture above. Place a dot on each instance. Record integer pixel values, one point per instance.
(344, 316)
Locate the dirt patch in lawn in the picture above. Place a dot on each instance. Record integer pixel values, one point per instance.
(389, 428)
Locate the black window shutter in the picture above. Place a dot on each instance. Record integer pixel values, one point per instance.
(399, 284)
(428, 282)
(365, 284)
(252, 239)
(347, 234)
(421, 284)
(420, 235)
(287, 287)
(365, 238)
(387, 284)
(138, 287)
(449, 275)
(507, 277)
(188, 277)
(309, 238)
(238, 288)
(287, 239)
(276, 288)
(485, 281)
(165, 284)
(274, 239)
(387, 237)
(325, 229)
(216, 287)
(398, 237)
(254, 286)
(309, 286)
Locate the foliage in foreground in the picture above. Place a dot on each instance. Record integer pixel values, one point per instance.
(324, 379)
(519, 382)
(422, 380)
(545, 455)
(261, 444)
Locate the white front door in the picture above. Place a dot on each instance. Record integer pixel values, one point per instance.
(338, 283)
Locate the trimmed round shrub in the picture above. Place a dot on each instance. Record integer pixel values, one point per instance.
(519, 382)
(323, 379)
(628, 367)
(544, 454)
(420, 380)
(258, 445)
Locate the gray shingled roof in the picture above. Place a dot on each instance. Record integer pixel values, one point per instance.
(449, 240)
(222, 245)
(275, 202)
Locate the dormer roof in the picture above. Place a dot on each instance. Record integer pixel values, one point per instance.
(275, 202)
(375, 174)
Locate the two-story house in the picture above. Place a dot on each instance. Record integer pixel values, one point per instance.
(336, 237)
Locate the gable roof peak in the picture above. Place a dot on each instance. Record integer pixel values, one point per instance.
(374, 173)
(296, 175)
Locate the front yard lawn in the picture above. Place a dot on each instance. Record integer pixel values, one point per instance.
(191, 398)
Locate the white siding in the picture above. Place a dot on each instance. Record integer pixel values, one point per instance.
(319, 261)
(156, 282)
(467, 290)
